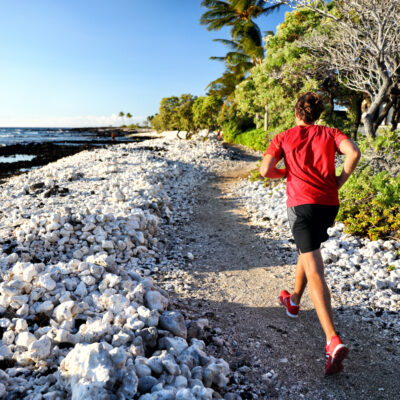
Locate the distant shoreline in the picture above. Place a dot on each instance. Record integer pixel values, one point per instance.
(49, 151)
(108, 130)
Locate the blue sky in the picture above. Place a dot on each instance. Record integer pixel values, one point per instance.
(80, 62)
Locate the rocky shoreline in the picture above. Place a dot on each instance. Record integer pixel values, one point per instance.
(47, 152)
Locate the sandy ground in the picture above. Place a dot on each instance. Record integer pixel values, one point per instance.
(235, 279)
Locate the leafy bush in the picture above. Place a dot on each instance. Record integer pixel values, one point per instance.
(370, 204)
(256, 139)
(387, 141)
(230, 129)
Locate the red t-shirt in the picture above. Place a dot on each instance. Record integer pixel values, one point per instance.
(309, 155)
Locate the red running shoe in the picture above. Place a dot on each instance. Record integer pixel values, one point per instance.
(291, 311)
(336, 352)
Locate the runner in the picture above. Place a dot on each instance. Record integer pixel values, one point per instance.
(309, 151)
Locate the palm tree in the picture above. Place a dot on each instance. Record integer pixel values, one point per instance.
(121, 115)
(129, 116)
(246, 42)
(239, 15)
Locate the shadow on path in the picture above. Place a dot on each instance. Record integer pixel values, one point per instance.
(237, 277)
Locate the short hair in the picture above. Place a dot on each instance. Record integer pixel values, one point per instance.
(309, 107)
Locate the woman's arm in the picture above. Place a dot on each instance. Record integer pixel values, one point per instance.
(353, 154)
(268, 168)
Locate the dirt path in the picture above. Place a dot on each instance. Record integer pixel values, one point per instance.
(235, 281)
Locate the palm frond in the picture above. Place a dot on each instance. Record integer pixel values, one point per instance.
(235, 57)
(217, 20)
(218, 58)
(270, 9)
(213, 3)
(230, 43)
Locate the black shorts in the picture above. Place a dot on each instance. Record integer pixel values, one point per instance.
(309, 224)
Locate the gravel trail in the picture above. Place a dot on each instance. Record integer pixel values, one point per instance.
(235, 278)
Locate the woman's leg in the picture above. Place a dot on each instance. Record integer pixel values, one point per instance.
(300, 282)
(313, 266)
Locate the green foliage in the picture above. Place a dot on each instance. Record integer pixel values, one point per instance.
(278, 80)
(175, 113)
(387, 140)
(233, 123)
(230, 130)
(289, 70)
(185, 113)
(256, 139)
(239, 15)
(206, 111)
(246, 49)
(156, 122)
(370, 204)
(391, 268)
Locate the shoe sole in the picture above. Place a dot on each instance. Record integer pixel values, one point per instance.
(291, 315)
(339, 355)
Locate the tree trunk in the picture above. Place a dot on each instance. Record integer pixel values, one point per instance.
(384, 90)
(380, 117)
(368, 125)
(368, 117)
(396, 114)
(357, 119)
(266, 118)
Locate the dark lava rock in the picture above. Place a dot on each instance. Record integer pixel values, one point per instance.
(146, 383)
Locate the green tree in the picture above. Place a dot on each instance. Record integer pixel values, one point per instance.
(288, 70)
(362, 48)
(121, 115)
(155, 122)
(129, 116)
(185, 113)
(246, 45)
(169, 113)
(206, 111)
(237, 66)
(175, 113)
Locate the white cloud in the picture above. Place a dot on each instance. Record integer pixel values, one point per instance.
(67, 122)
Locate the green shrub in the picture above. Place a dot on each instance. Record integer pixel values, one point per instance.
(230, 130)
(256, 139)
(370, 204)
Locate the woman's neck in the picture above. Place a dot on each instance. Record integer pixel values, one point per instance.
(302, 123)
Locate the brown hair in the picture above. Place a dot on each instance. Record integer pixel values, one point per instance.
(309, 107)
